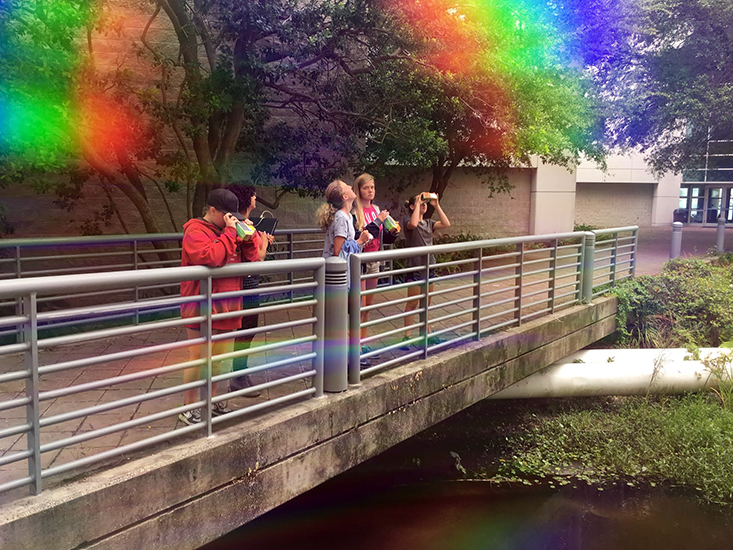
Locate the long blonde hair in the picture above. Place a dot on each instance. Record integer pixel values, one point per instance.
(358, 205)
(334, 202)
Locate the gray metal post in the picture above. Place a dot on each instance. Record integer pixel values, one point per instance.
(676, 248)
(31, 389)
(336, 337)
(589, 249)
(720, 235)
(319, 313)
(518, 273)
(207, 331)
(478, 254)
(354, 319)
(633, 255)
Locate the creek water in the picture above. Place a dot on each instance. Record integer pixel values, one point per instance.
(412, 497)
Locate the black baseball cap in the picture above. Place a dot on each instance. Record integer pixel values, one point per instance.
(224, 201)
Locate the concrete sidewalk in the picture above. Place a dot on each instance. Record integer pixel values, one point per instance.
(655, 242)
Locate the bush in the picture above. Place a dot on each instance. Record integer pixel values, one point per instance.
(686, 440)
(690, 303)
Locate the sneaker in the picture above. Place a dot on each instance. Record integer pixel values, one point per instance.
(433, 340)
(406, 347)
(220, 408)
(367, 349)
(365, 362)
(241, 383)
(190, 417)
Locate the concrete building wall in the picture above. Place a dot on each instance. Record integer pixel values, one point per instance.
(614, 204)
(466, 202)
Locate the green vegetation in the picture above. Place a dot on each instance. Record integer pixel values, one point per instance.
(686, 440)
(690, 303)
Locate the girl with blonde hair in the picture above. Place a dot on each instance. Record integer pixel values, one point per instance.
(335, 218)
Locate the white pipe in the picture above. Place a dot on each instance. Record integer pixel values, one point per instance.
(618, 372)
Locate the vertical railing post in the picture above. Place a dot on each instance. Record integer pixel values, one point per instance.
(720, 234)
(553, 283)
(633, 252)
(519, 271)
(30, 333)
(676, 247)
(137, 289)
(354, 353)
(18, 274)
(589, 251)
(319, 311)
(614, 261)
(424, 305)
(335, 333)
(478, 254)
(207, 332)
(579, 270)
(291, 274)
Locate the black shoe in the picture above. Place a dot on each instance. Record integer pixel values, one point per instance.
(406, 347)
(241, 383)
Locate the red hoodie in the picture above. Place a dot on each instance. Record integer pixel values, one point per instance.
(206, 244)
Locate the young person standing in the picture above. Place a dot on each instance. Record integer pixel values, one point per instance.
(419, 232)
(335, 218)
(370, 217)
(253, 250)
(211, 241)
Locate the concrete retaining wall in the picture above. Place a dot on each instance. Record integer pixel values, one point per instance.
(187, 495)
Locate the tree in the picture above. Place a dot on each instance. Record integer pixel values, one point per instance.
(490, 85)
(254, 81)
(669, 78)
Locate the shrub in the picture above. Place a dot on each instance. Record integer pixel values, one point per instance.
(690, 303)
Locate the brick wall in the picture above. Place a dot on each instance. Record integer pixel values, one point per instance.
(614, 204)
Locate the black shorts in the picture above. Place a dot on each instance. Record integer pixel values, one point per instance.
(418, 275)
(250, 302)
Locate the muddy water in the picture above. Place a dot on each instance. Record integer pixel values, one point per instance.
(411, 497)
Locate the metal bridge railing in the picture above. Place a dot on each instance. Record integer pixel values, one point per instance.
(23, 258)
(69, 379)
(81, 373)
(614, 257)
(492, 284)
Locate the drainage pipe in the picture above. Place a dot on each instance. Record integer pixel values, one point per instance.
(618, 372)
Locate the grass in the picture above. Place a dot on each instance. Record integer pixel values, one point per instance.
(686, 440)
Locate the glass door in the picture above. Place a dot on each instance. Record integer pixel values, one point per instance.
(718, 202)
(713, 204)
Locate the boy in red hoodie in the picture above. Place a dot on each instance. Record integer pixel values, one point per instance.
(211, 241)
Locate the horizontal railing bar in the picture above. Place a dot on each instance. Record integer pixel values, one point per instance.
(118, 404)
(453, 289)
(536, 302)
(117, 331)
(14, 403)
(114, 428)
(261, 368)
(393, 302)
(14, 348)
(452, 316)
(396, 360)
(538, 282)
(15, 430)
(265, 328)
(392, 272)
(120, 355)
(13, 321)
(499, 291)
(113, 381)
(257, 291)
(12, 376)
(558, 296)
(266, 347)
(127, 252)
(395, 317)
(83, 269)
(452, 276)
(264, 405)
(265, 385)
(99, 457)
(451, 303)
(499, 303)
(499, 314)
(612, 230)
(499, 325)
(535, 293)
(399, 286)
(15, 457)
(392, 347)
(264, 309)
(10, 485)
(436, 347)
(499, 268)
(536, 313)
(388, 333)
